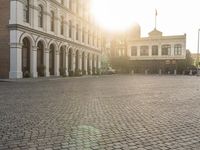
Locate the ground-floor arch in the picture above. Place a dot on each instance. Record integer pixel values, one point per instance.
(52, 59)
(26, 52)
(40, 59)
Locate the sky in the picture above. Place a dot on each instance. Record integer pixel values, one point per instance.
(174, 17)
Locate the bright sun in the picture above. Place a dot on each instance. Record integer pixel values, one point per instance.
(115, 15)
(118, 15)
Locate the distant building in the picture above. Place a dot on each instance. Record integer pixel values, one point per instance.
(155, 53)
(48, 37)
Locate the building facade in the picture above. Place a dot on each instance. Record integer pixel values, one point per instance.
(155, 53)
(48, 37)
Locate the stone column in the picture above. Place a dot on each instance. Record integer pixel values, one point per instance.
(33, 63)
(95, 64)
(57, 63)
(99, 62)
(80, 60)
(172, 50)
(90, 63)
(46, 62)
(66, 62)
(73, 63)
(15, 61)
(85, 62)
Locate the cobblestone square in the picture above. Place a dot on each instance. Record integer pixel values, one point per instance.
(117, 112)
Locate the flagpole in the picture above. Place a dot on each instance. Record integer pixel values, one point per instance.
(155, 18)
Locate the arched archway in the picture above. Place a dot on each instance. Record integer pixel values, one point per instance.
(40, 59)
(26, 49)
(52, 59)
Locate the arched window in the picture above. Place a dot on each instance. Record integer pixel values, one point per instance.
(40, 16)
(178, 49)
(62, 25)
(166, 49)
(70, 29)
(26, 11)
(52, 20)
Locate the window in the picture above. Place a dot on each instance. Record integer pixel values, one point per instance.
(133, 51)
(70, 4)
(70, 29)
(83, 34)
(77, 6)
(62, 2)
(154, 50)
(178, 49)
(93, 39)
(144, 51)
(166, 49)
(62, 26)
(40, 16)
(77, 32)
(26, 11)
(52, 20)
(88, 37)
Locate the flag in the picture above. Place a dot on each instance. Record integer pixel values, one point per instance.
(156, 13)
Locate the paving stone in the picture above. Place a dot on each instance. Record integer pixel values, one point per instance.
(108, 112)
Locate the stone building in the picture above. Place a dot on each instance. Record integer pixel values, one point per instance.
(155, 53)
(48, 37)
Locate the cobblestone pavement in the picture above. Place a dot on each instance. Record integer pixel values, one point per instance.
(117, 112)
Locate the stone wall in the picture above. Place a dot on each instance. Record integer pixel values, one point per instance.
(4, 38)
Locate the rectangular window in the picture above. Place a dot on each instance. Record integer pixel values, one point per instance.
(144, 51)
(26, 11)
(154, 50)
(166, 49)
(77, 32)
(70, 29)
(133, 51)
(178, 49)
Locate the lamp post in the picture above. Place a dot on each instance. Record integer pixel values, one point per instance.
(198, 54)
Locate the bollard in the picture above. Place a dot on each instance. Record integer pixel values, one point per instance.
(146, 72)
(190, 72)
(160, 72)
(132, 72)
(175, 72)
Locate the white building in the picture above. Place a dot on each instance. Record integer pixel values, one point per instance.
(52, 37)
(156, 52)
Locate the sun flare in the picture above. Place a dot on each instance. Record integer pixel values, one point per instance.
(116, 15)
(112, 14)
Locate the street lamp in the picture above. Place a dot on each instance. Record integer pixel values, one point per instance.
(198, 54)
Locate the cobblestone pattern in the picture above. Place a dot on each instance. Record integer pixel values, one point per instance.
(97, 113)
